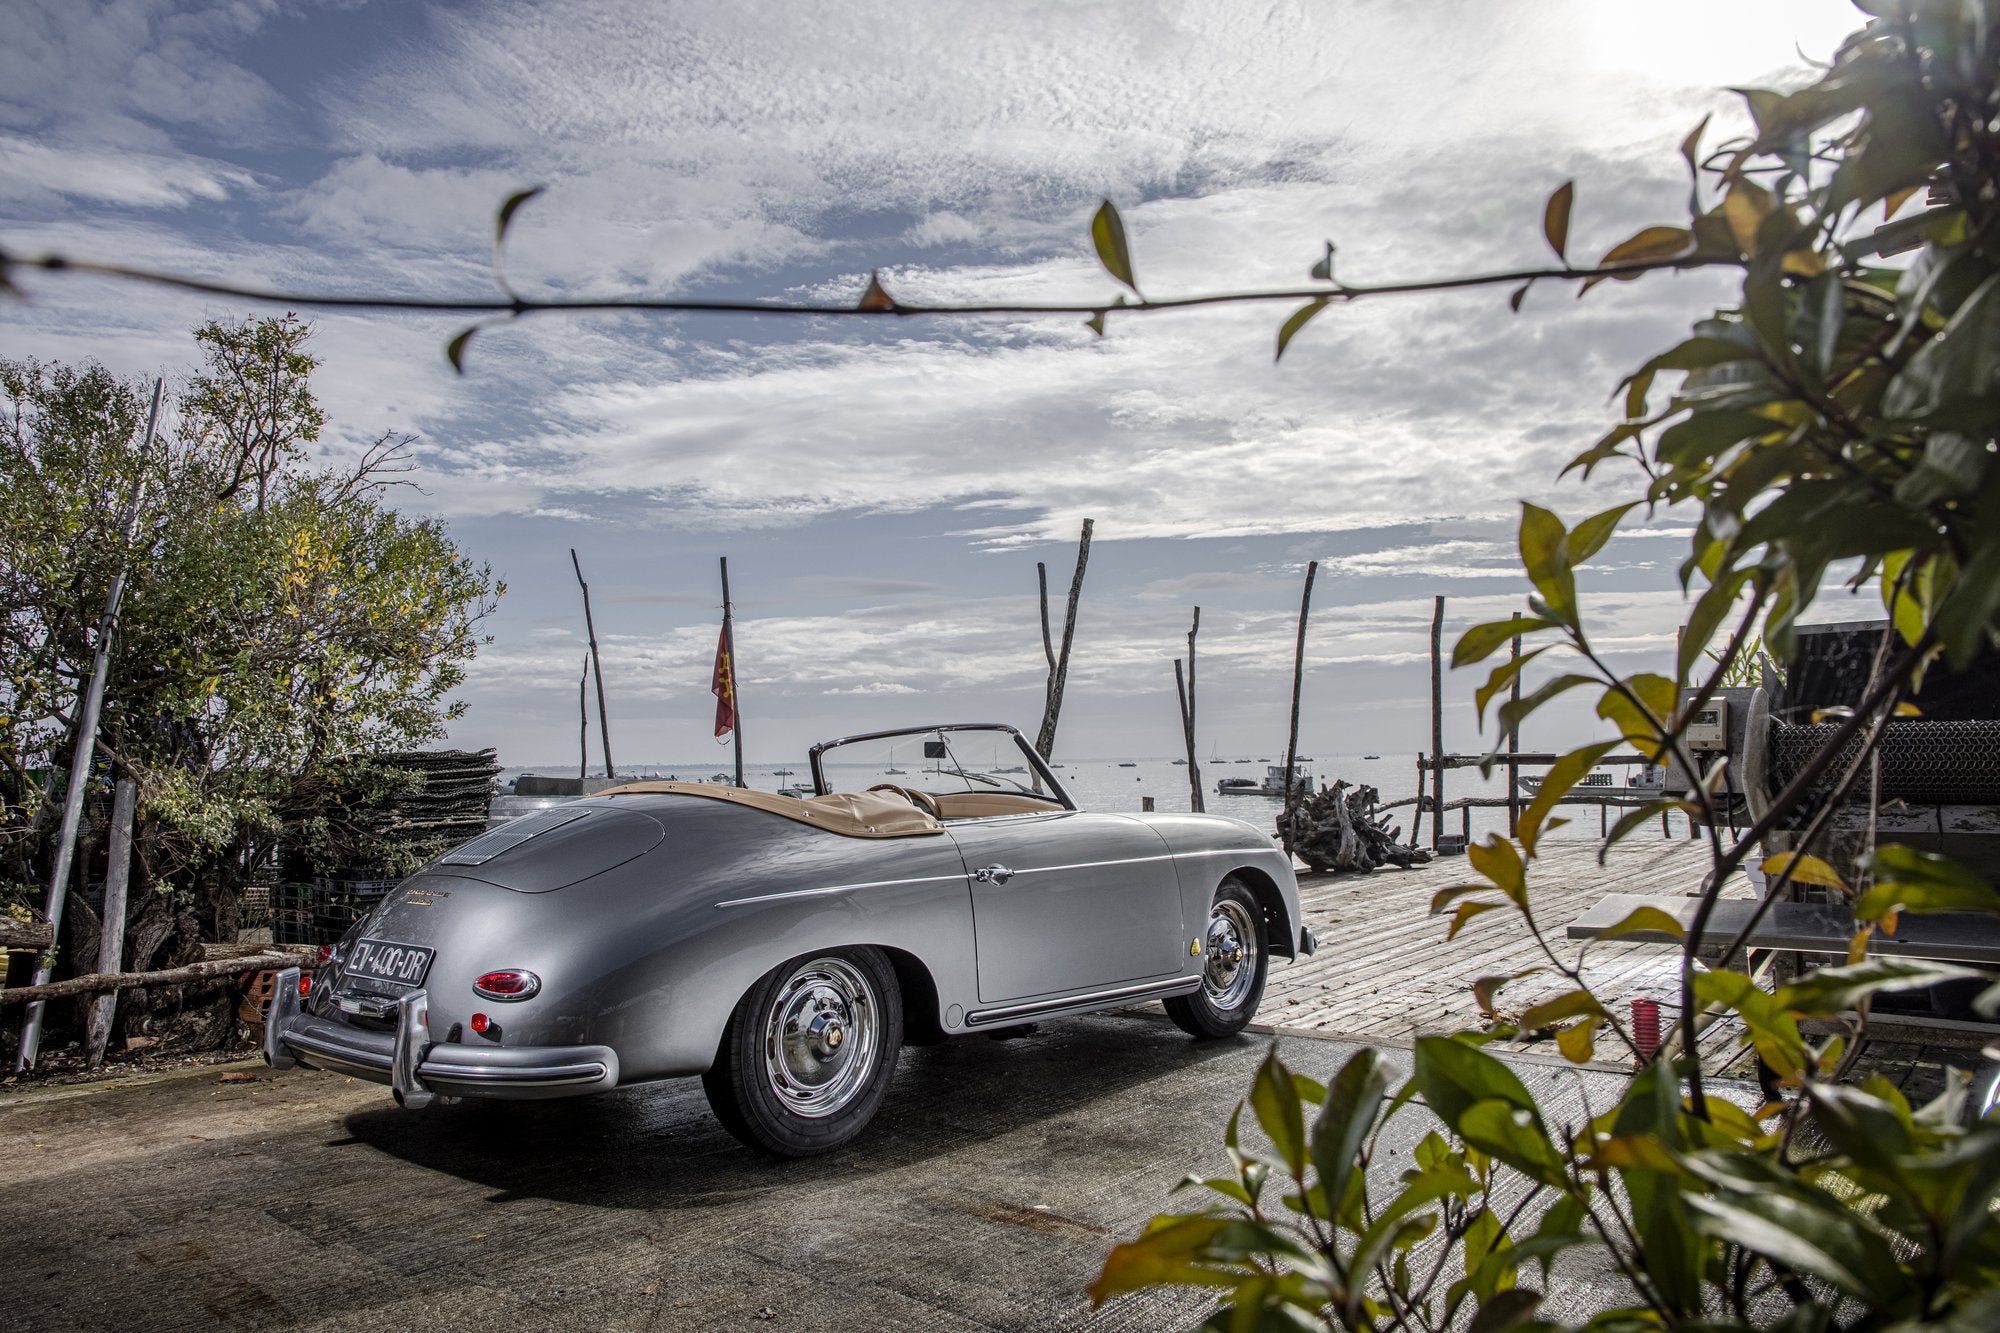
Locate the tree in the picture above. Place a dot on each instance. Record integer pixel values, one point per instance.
(281, 620)
(1844, 413)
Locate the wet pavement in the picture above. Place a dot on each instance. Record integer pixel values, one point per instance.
(984, 1197)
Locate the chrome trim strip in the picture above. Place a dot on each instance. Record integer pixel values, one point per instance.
(1142, 991)
(315, 1044)
(535, 1074)
(837, 888)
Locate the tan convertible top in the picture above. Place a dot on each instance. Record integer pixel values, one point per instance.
(851, 814)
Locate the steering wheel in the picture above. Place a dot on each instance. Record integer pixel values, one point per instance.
(921, 799)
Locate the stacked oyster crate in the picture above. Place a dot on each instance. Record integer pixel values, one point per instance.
(446, 806)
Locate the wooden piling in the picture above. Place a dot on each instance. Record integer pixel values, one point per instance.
(1437, 719)
(1199, 801)
(1045, 742)
(111, 934)
(596, 666)
(1298, 686)
(1514, 742)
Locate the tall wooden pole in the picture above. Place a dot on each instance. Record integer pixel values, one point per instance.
(1514, 746)
(1045, 743)
(1200, 801)
(1437, 720)
(86, 748)
(603, 722)
(735, 676)
(583, 726)
(1298, 687)
(111, 936)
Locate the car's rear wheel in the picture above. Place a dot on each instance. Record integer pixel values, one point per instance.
(1232, 981)
(809, 1052)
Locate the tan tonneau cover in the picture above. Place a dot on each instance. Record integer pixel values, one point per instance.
(851, 814)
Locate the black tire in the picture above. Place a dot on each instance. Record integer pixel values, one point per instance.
(1232, 982)
(809, 1052)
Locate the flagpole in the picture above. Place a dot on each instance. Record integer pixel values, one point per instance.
(735, 692)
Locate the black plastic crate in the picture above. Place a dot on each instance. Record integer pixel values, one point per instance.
(320, 911)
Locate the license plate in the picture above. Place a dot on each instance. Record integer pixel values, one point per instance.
(383, 960)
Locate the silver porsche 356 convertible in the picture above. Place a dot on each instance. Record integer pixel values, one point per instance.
(785, 949)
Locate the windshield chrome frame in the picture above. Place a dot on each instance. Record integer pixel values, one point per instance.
(1047, 775)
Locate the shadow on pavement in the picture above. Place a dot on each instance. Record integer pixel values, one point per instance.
(658, 1145)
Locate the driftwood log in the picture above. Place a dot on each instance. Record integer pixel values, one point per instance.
(1337, 828)
(101, 983)
(24, 934)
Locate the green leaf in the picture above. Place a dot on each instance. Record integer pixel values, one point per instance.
(1275, 1099)
(1710, 610)
(1299, 319)
(1513, 1136)
(1506, 1310)
(1570, 1004)
(1107, 233)
(1497, 859)
(1502, 677)
(1913, 881)
(1545, 557)
(1642, 728)
(1805, 1232)
(1644, 921)
(1563, 775)
(1352, 1108)
(1804, 870)
(1555, 219)
(1465, 913)
(1516, 711)
(1833, 990)
(1168, 1254)
(505, 217)
(454, 351)
(1587, 538)
(1951, 380)
(1482, 641)
(1452, 1076)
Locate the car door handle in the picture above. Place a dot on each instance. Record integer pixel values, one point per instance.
(992, 875)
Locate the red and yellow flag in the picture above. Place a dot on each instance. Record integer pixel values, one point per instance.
(724, 684)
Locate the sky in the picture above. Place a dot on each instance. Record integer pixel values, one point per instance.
(883, 489)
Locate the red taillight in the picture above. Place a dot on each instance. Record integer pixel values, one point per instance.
(480, 1022)
(305, 984)
(325, 952)
(508, 984)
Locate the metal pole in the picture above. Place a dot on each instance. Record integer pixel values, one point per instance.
(111, 935)
(735, 676)
(1437, 720)
(86, 748)
(1298, 687)
(1514, 747)
(589, 629)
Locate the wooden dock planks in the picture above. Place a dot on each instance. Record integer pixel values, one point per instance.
(1385, 970)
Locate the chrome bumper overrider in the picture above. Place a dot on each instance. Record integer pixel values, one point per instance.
(419, 1069)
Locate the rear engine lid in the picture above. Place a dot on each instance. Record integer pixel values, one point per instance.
(552, 849)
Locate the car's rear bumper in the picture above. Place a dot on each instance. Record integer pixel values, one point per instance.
(418, 1069)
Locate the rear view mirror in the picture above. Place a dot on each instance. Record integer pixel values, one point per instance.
(936, 750)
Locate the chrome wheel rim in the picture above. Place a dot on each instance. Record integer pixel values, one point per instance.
(1232, 955)
(821, 1034)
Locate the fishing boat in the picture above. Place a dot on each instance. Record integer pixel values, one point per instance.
(1272, 785)
(1647, 784)
(1127, 764)
(1371, 756)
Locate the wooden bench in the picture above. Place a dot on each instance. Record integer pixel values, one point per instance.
(1822, 928)
(1953, 937)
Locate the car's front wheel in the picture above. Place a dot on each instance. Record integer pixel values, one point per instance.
(809, 1052)
(1232, 981)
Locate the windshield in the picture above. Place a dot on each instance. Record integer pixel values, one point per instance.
(939, 760)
